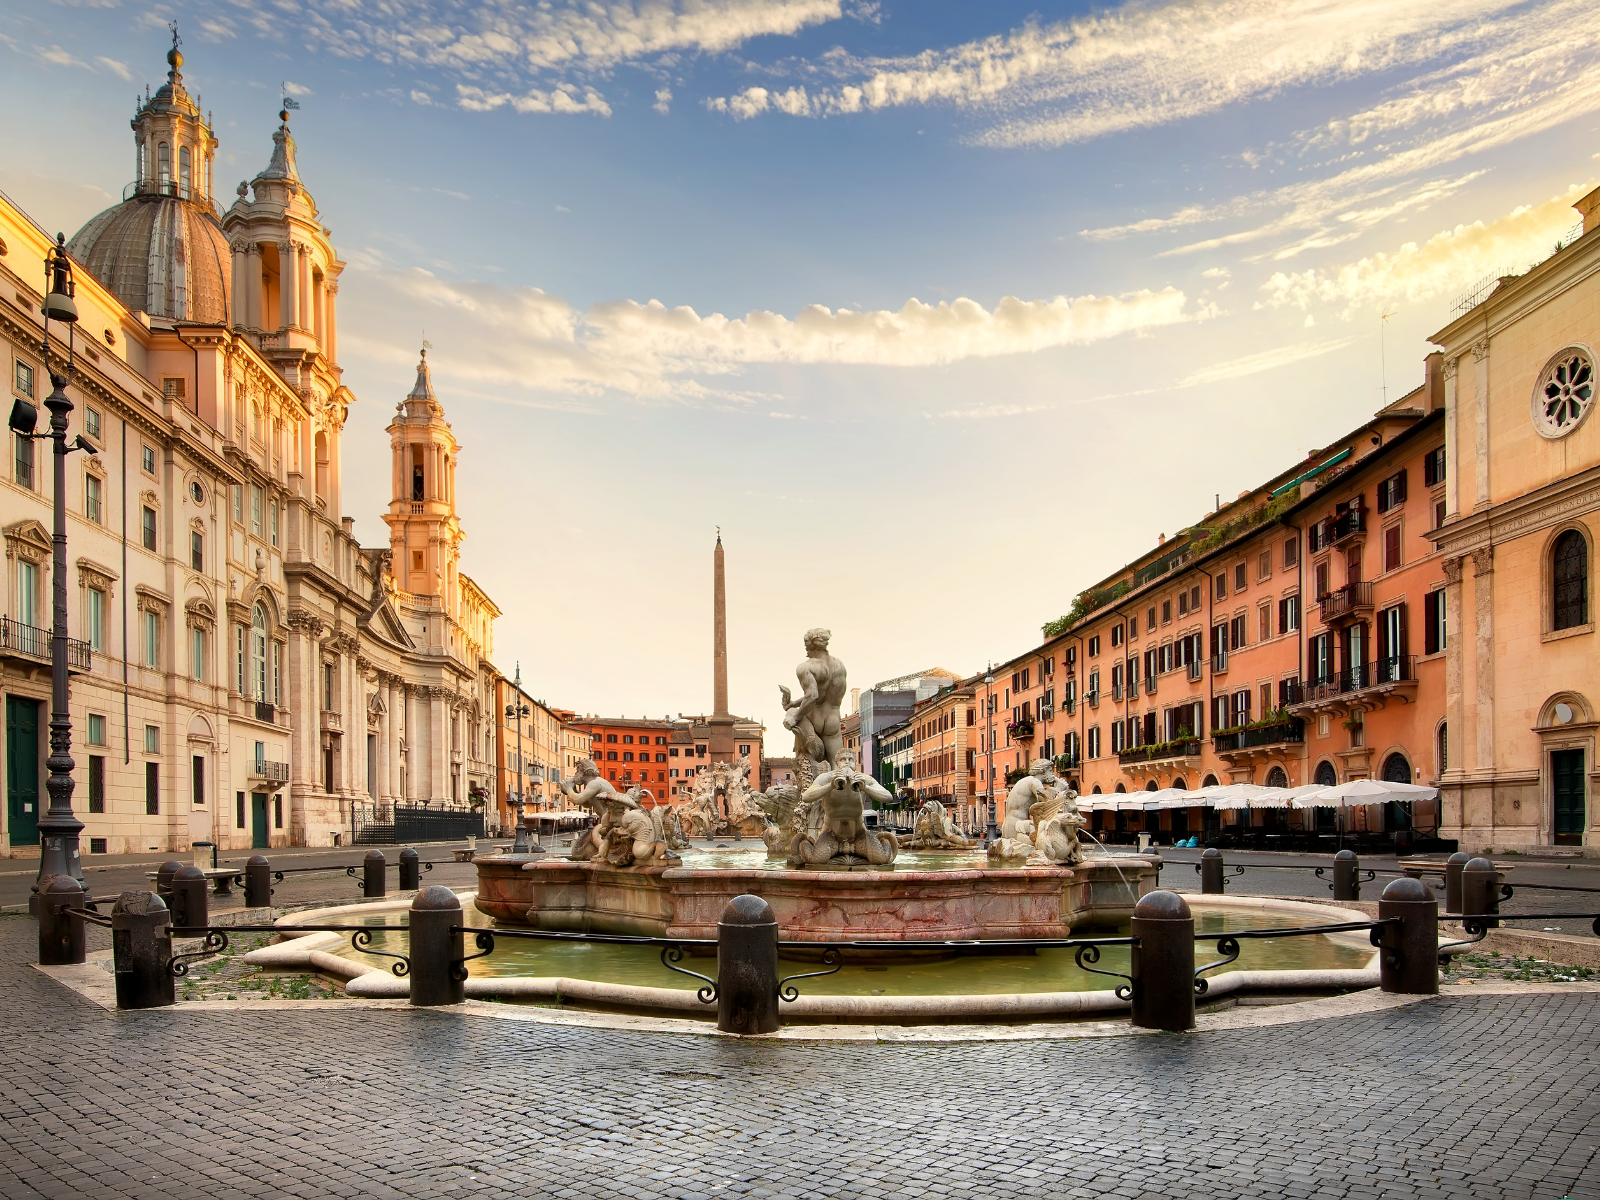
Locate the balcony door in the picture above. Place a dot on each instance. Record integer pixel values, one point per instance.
(259, 838)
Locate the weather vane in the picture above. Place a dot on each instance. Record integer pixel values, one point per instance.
(176, 40)
(288, 100)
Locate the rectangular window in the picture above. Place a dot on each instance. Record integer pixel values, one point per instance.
(1391, 548)
(1236, 634)
(1222, 586)
(24, 379)
(197, 654)
(152, 789)
(1166, 612)
(238, 810)
(147, 527)
(95, 618)
(1392, 492)
(24, 461)
(147, 459)
(97, 783)
(1094, 646)
(1433, 627)
(1264, 565)
(277, 678)
(152, 639)
(1321, 576)
(1289, 614)
(93, 506)
(96, 733)
(277, 812)
(329, 685)
(1116, 634)
(1438, 514)
(152, 739)
(197, 550)
(199, 780)
(1094, 741)
(1433, 467)
(1291, 552)
(1240, 577)
(91, 422)
(1150, 620)
(239, 660)
(1264, 622)
(238, 503)
(255, 509)
(272, 512)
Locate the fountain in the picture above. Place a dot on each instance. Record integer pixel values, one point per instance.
(828, 876)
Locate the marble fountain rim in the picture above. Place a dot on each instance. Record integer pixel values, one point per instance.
(309, 951)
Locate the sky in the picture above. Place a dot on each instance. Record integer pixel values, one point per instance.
(940, 311)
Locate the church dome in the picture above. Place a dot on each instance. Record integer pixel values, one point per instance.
(162, 254)
(162, 250)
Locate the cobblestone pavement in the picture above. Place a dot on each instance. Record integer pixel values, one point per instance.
(1489, 1096)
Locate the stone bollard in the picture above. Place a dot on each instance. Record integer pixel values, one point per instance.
(1452, 880)
(1346, 876)
(164, 874)
(141, 947)
(1212, 881)
(1480, 890)
(747, 967)
(258, 882)
(60, 933)
(1163, 962)
(410, 870)
(190, 908)
(435, 951)
(373, 869)
(1408, 959)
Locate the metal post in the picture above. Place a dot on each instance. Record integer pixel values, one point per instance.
(1452, 880)
(141, 948)
(1163, 962)
(410, 870)
(60, 933)
(1408, 961)
(258, 882)
(164, 874)
(190, 908)
(435, 951)
(1480, 890)
(747, 967)
(1212, 881)
(1346, 876)
(373, 867)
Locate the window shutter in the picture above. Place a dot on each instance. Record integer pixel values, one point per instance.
(1400, 487)
(1404, 648)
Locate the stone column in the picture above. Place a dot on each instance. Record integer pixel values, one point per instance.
(1480, 415)
(439, 745)
(413, 735)
(1452, 451)
(307, 305)
(252, 286)
(1455, 709)
(1483, 684)
(380, 788)
(239, 259)
(286, 285)
(330, 324)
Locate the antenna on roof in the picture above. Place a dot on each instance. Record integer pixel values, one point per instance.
(1383, 365)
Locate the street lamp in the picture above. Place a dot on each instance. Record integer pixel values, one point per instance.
(519, 710)
(59, 829)
(988, 683)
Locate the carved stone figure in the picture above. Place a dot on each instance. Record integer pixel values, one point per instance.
(1056, 823)
(814, 718)
(588, 788)
(785, 814)
(936, 831)
(722, 803)
(1017, 829)
(837, 836)
(669, 830)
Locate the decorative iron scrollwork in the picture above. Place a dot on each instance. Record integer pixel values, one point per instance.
(1084, 955)
(1228, 947)
(361, 940)
(672, 955)
(216, 942)
(484, 942)
(788, 993)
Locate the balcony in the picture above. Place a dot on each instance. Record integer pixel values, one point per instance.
(1219, 662)
(1020, 731)
(1196, 667)
(267, 770)
(1159, 752)
(32, 644)
(1345, 527)
(1362, 686)
(1133, 689)
(1150, 685)
(266, 712)
(1092, 699)
(1258, 741)
(1345, 603)
(332, 722)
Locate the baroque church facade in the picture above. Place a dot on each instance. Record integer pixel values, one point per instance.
(247, 673)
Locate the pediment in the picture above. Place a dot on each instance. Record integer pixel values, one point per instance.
(382, 621)
(28, 535)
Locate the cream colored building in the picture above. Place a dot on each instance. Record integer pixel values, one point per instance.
(1522, 516)
(253, 676)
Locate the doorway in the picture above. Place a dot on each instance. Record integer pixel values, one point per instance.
(258, 821)
(1566, 773)
(22, 770)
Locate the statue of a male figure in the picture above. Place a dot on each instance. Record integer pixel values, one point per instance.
(822, 686)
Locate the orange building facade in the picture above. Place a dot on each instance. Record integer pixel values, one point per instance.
(943, 758)
(664, 755)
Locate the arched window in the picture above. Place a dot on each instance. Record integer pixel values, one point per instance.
(1396, 769)
(1277, 778)
(258, 652)
(1570, 581)
(1326, 775)
(1096, 791)
(163, 162)
(1444, 747)
(183, 171)
(1180, 784)
(1121, 788)
(1209, 781)
(1151, 786)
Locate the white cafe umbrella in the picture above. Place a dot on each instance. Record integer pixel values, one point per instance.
(1244, 795)
(1363, 791)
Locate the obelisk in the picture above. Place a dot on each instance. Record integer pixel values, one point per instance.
(721, 733)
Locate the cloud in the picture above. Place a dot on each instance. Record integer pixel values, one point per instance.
(526, 337)
(563, 99)
(663, 104)
(1445, 262)
(291, 88)
(1144, 65)
(1267, 360)
(57, 57)
(116, 68)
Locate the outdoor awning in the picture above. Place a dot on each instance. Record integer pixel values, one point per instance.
(1361, 791)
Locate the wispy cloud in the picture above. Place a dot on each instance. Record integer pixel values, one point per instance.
(527, 337)
(1266, 360)
(1445, 262)
(564, 98)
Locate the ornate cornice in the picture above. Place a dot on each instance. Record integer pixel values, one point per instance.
(1541, 509)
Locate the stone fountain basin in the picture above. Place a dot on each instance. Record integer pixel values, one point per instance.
(889, 906)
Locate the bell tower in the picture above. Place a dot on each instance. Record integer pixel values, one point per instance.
(425, 534)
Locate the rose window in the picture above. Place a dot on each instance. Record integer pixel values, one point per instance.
(1565, 393)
